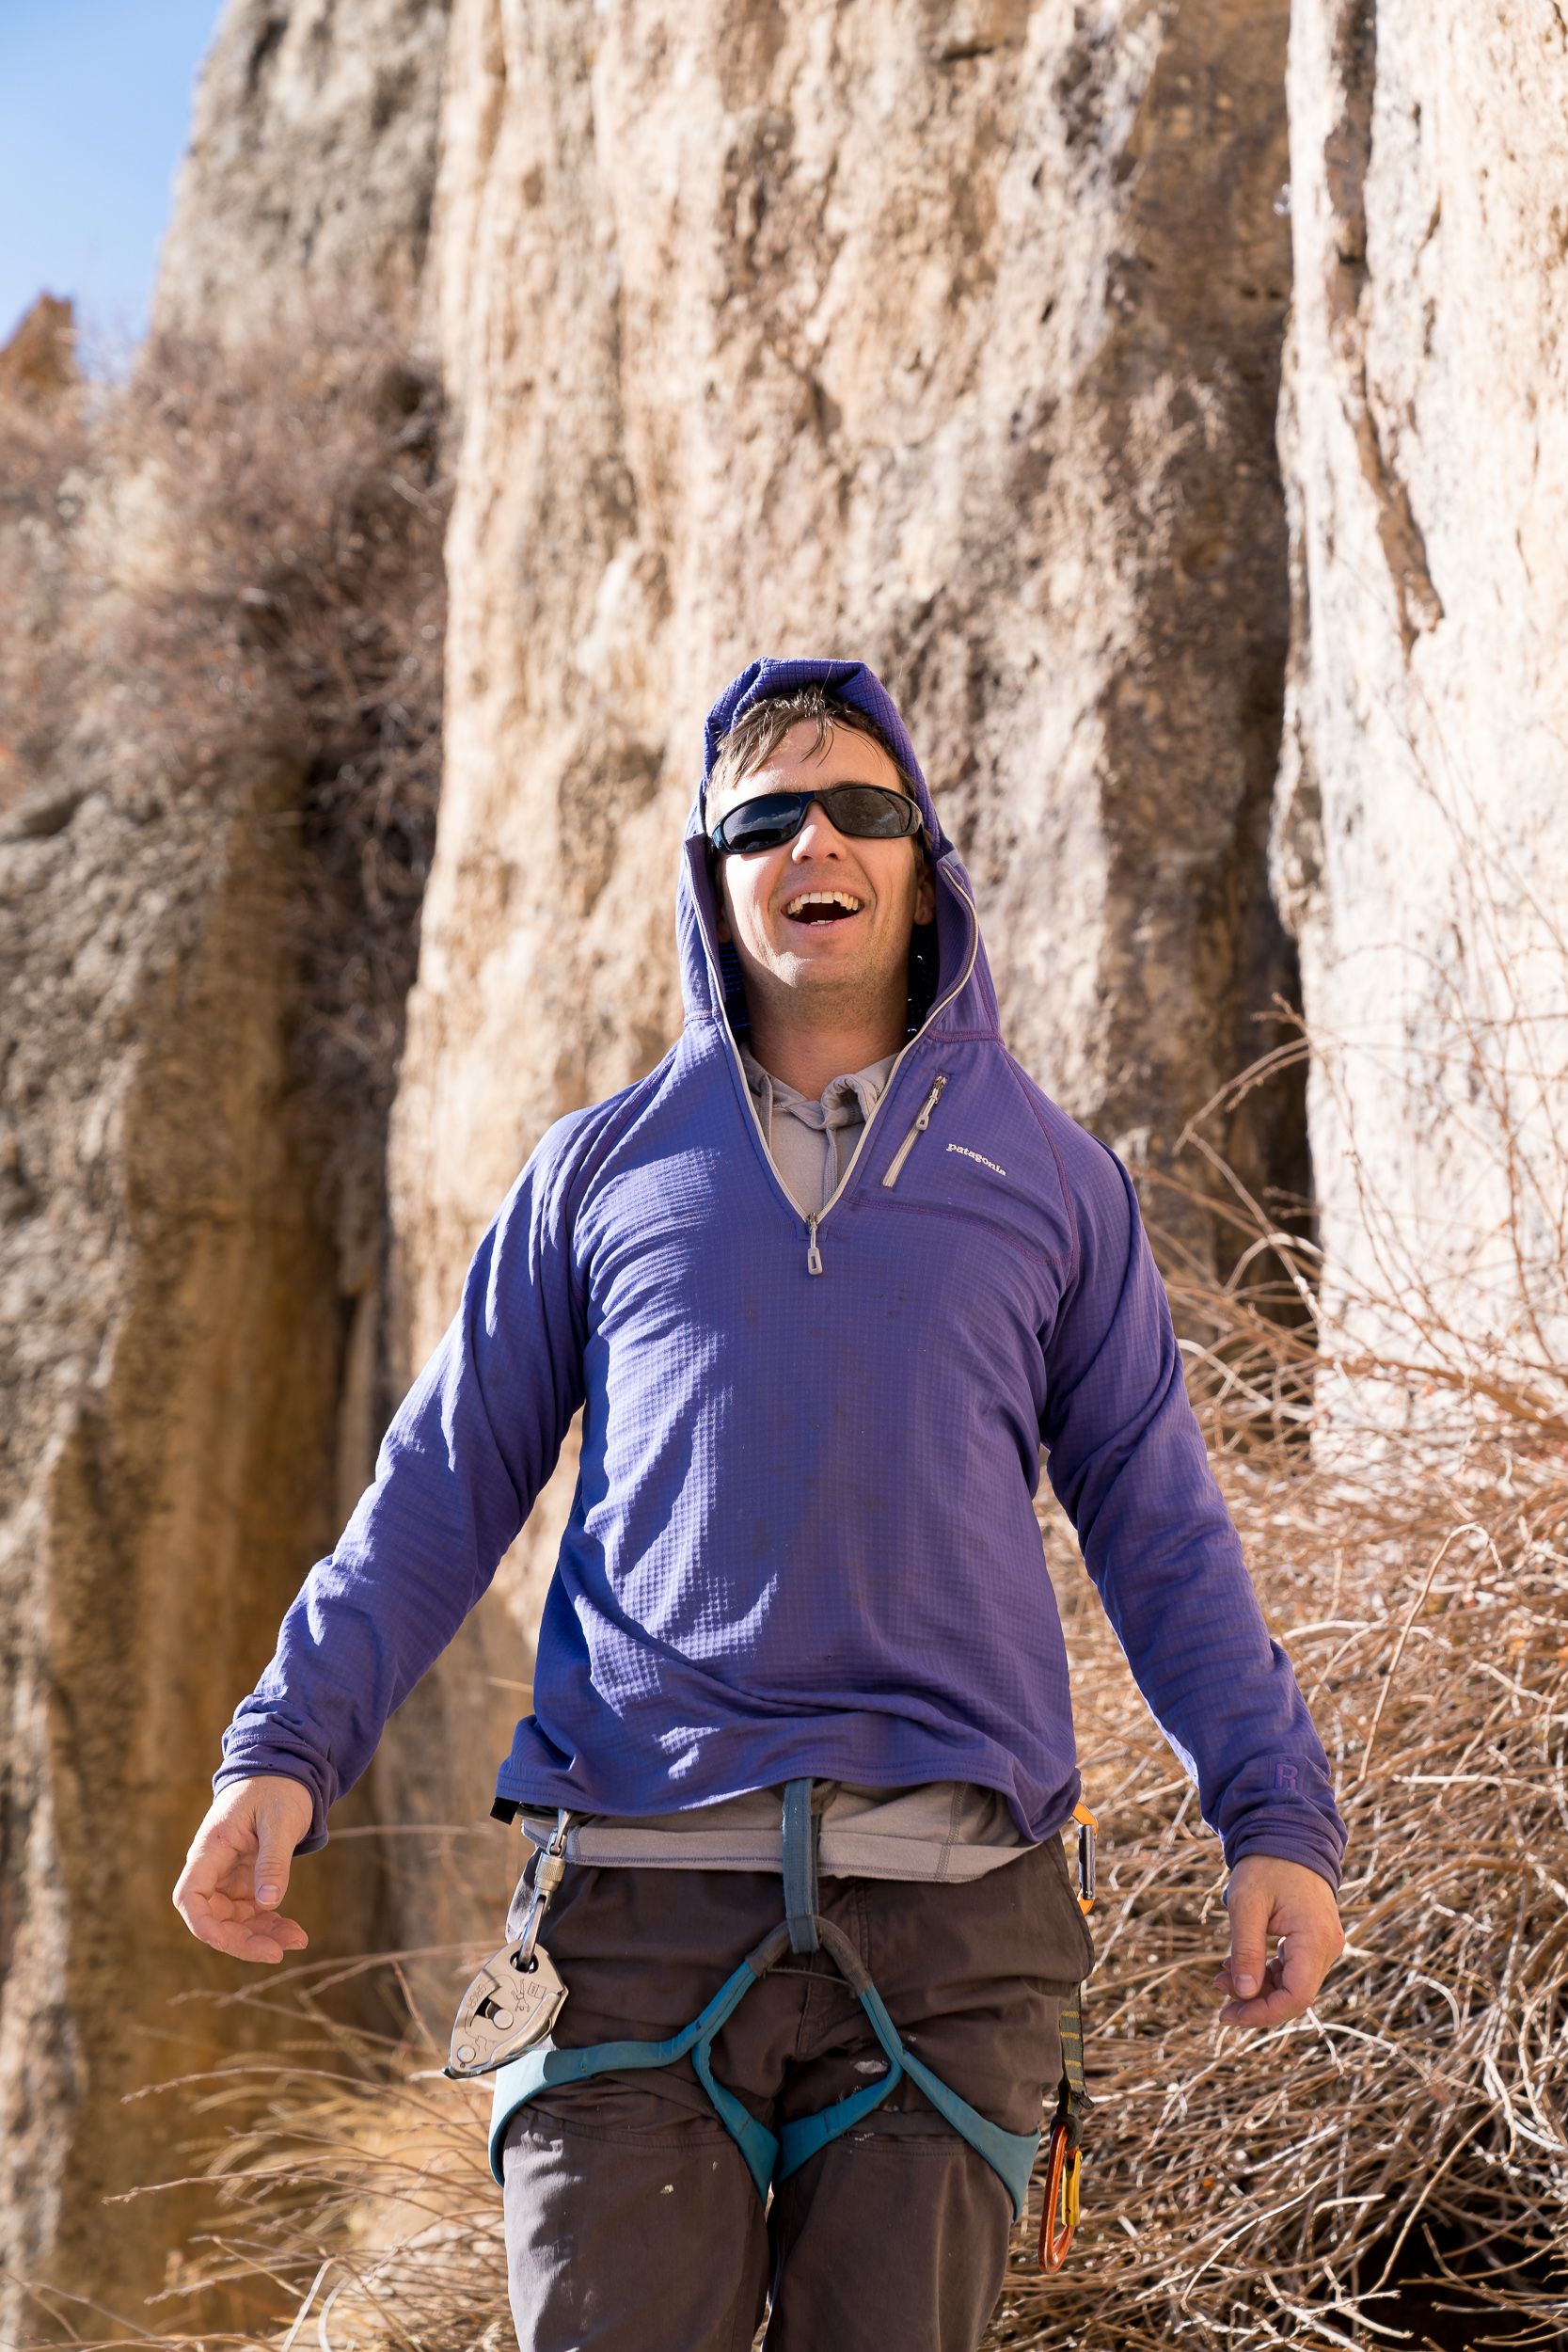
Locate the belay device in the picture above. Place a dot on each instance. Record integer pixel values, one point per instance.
(507, 2012)
(516, 1996)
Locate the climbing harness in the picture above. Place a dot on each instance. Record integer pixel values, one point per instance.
(498, 2030)
(1064, 2162)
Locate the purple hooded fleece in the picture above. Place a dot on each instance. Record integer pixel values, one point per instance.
(803, 1539)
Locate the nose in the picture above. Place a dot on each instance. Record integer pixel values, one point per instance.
(817, 837)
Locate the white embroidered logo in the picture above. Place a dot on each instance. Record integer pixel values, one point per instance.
(977, 1156)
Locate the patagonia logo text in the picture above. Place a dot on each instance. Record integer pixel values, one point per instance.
(977, 1156)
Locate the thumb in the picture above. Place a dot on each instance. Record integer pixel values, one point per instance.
(1249, 1925)
(273, 1852)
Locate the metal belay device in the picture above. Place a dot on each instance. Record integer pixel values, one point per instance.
(517, 1996)
(513, 2049)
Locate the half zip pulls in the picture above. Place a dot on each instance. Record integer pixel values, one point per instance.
(814, 1254)
(922, 1122)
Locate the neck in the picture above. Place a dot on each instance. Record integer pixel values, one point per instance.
(809, 1055)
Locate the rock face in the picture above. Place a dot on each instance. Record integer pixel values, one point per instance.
(173, 1365)
(943, 336)
(1421, 851)
(180, 1365)
(311, 162)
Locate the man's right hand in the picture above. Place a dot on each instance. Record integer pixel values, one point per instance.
(237, 1869)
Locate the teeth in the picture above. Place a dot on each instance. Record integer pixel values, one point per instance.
(824, 899)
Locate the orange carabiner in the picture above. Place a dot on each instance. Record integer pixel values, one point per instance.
(1062, 2173)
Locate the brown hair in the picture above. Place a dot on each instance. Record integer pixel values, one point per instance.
(760, 730)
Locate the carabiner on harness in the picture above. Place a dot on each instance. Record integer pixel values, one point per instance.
(1065, 2161)
(1063, 2168)
(548, 1871)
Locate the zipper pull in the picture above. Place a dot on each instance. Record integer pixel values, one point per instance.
(922, 1122)
(814, 1255)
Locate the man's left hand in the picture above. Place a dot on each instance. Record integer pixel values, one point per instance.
(1285, 1936)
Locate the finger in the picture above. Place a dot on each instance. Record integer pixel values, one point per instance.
(1225, 1976)
(225, 1916)
(221, 1910)
(1291, 1984)
(249, 1934)
(218, 1858)
(275, 1850)
(1274, 2008)
(1248, 1904)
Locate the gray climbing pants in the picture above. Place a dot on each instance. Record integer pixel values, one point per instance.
(632, 2224)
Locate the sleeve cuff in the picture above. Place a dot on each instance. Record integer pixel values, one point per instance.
(287, 1767)
(1284, 1848)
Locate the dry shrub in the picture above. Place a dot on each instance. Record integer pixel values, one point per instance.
(1300, 2186)
(231, 563)
(1392, 2168)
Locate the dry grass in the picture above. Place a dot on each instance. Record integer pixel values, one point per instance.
(1256, 2189)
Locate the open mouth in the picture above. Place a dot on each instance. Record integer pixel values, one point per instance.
(822, 906)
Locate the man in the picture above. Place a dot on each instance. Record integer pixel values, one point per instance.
(823, 1284)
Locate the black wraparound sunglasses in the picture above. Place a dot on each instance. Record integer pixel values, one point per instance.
(867, 812)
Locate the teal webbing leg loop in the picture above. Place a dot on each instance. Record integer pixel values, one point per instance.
(547, 2069)
(799, 1866)
(1010, 2155)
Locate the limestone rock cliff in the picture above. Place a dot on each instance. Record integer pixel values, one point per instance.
(1422, 847)
(171, 1383)
(312, 166)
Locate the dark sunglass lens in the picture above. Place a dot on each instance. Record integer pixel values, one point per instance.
(760, 824)
(870, 812)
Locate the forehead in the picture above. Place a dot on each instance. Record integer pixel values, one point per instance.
(799, 764)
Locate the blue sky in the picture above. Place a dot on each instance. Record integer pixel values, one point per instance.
(95, 104)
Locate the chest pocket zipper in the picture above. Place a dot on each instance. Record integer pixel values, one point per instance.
(923, 1120)
(814, 1255)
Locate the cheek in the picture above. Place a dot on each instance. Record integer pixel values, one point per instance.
(745, 893)
(895, 877)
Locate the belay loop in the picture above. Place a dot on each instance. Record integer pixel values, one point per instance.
(1064, 2160)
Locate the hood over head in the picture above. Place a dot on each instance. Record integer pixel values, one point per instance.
(973, 1004)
